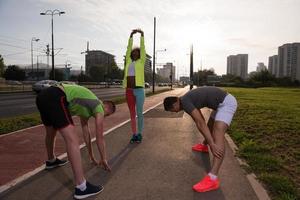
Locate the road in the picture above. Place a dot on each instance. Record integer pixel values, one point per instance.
(14, 104)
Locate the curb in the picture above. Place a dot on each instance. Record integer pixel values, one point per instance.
(259, 190)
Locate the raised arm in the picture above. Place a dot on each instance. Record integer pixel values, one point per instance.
(203, 128)
(142, 46)
(99, 118)
(129, 46)
(87, 138)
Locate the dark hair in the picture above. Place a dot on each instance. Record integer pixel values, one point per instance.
(135, 49)
(111, 105)
(169, 102)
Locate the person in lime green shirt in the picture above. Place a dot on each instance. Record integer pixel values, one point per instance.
(56, 106)
(134, 83)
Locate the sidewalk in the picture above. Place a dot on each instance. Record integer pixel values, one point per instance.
(23, 151)
(162, 167)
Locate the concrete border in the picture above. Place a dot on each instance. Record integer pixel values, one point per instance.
(259, 190)
(24, 177)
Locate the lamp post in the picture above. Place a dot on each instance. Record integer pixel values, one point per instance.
(32, 40)
(52, 12)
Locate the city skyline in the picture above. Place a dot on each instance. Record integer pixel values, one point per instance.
(216, 29)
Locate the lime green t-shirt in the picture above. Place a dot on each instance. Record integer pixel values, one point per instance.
(82, 101)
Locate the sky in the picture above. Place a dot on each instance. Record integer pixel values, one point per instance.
(216, 28)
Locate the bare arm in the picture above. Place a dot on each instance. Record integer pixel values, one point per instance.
(100, 141)
(87, 138)
(203, 128)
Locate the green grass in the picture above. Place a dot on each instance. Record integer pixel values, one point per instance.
(266, 129)
(11, 124)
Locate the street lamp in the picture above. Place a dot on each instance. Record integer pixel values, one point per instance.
(52, 12)
(154, 63)
(32, 40)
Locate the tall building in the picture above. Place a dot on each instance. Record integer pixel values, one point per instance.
(289, 61)
(166, 70)
(261, 67)
(98, 57)
(273, 65)
(238, 65)
(148, 64)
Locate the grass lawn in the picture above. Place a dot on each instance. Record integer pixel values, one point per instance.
(266, 129)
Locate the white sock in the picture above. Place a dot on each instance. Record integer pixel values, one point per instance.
(52, 160)
(212, 176)
(81, 186)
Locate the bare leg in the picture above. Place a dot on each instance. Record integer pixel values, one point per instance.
(210, 125)
(72, 143)
(50, 141)
(218, 134)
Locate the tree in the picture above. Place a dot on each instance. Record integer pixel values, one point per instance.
(98, 73)
(83, 78)
(200, 77)
(264, 77)
(116, 73)
(59, 75)
(14, 72)
(2, 66)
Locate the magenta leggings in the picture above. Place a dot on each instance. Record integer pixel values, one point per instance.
(135, 101)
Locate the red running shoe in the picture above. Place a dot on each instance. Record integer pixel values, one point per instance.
(200, 147)
(206, 184)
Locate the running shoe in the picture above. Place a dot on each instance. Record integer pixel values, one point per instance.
(139, 138)
(200, 147)
(206, 184)
(89, 191)
(56, 163)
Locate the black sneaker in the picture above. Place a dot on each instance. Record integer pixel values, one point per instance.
(139, 138)
(89, 191)
(56, 163)
(133, 139)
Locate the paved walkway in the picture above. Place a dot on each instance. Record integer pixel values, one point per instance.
(24, 151)
(162, 167)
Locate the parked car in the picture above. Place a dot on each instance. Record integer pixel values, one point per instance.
(68, 82)
(41, 85)
(10, 82)
(147, 85)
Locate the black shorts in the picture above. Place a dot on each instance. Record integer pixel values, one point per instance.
(53, 108)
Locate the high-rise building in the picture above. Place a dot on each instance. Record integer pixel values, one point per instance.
(148, 64)
(273, 65)
(166, 70)
(238, 65)
(289, 61)
(98, 58)
(261, 67)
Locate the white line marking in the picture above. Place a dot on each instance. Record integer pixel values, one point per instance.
(62, 156)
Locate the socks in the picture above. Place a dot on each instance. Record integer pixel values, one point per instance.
(82, 186)
(212, 176)
(52, 160)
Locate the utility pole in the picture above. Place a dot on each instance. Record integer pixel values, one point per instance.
(32, 40)
(153, 76)
(191, 68)
(52, 12)
(37, 67)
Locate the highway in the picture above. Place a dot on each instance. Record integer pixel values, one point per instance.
(14, 104)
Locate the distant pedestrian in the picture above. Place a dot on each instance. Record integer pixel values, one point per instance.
(56, 105)
(134, 83)
(224, 106)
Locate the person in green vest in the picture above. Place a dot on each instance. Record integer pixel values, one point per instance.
(134, 83)
(56, 106)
